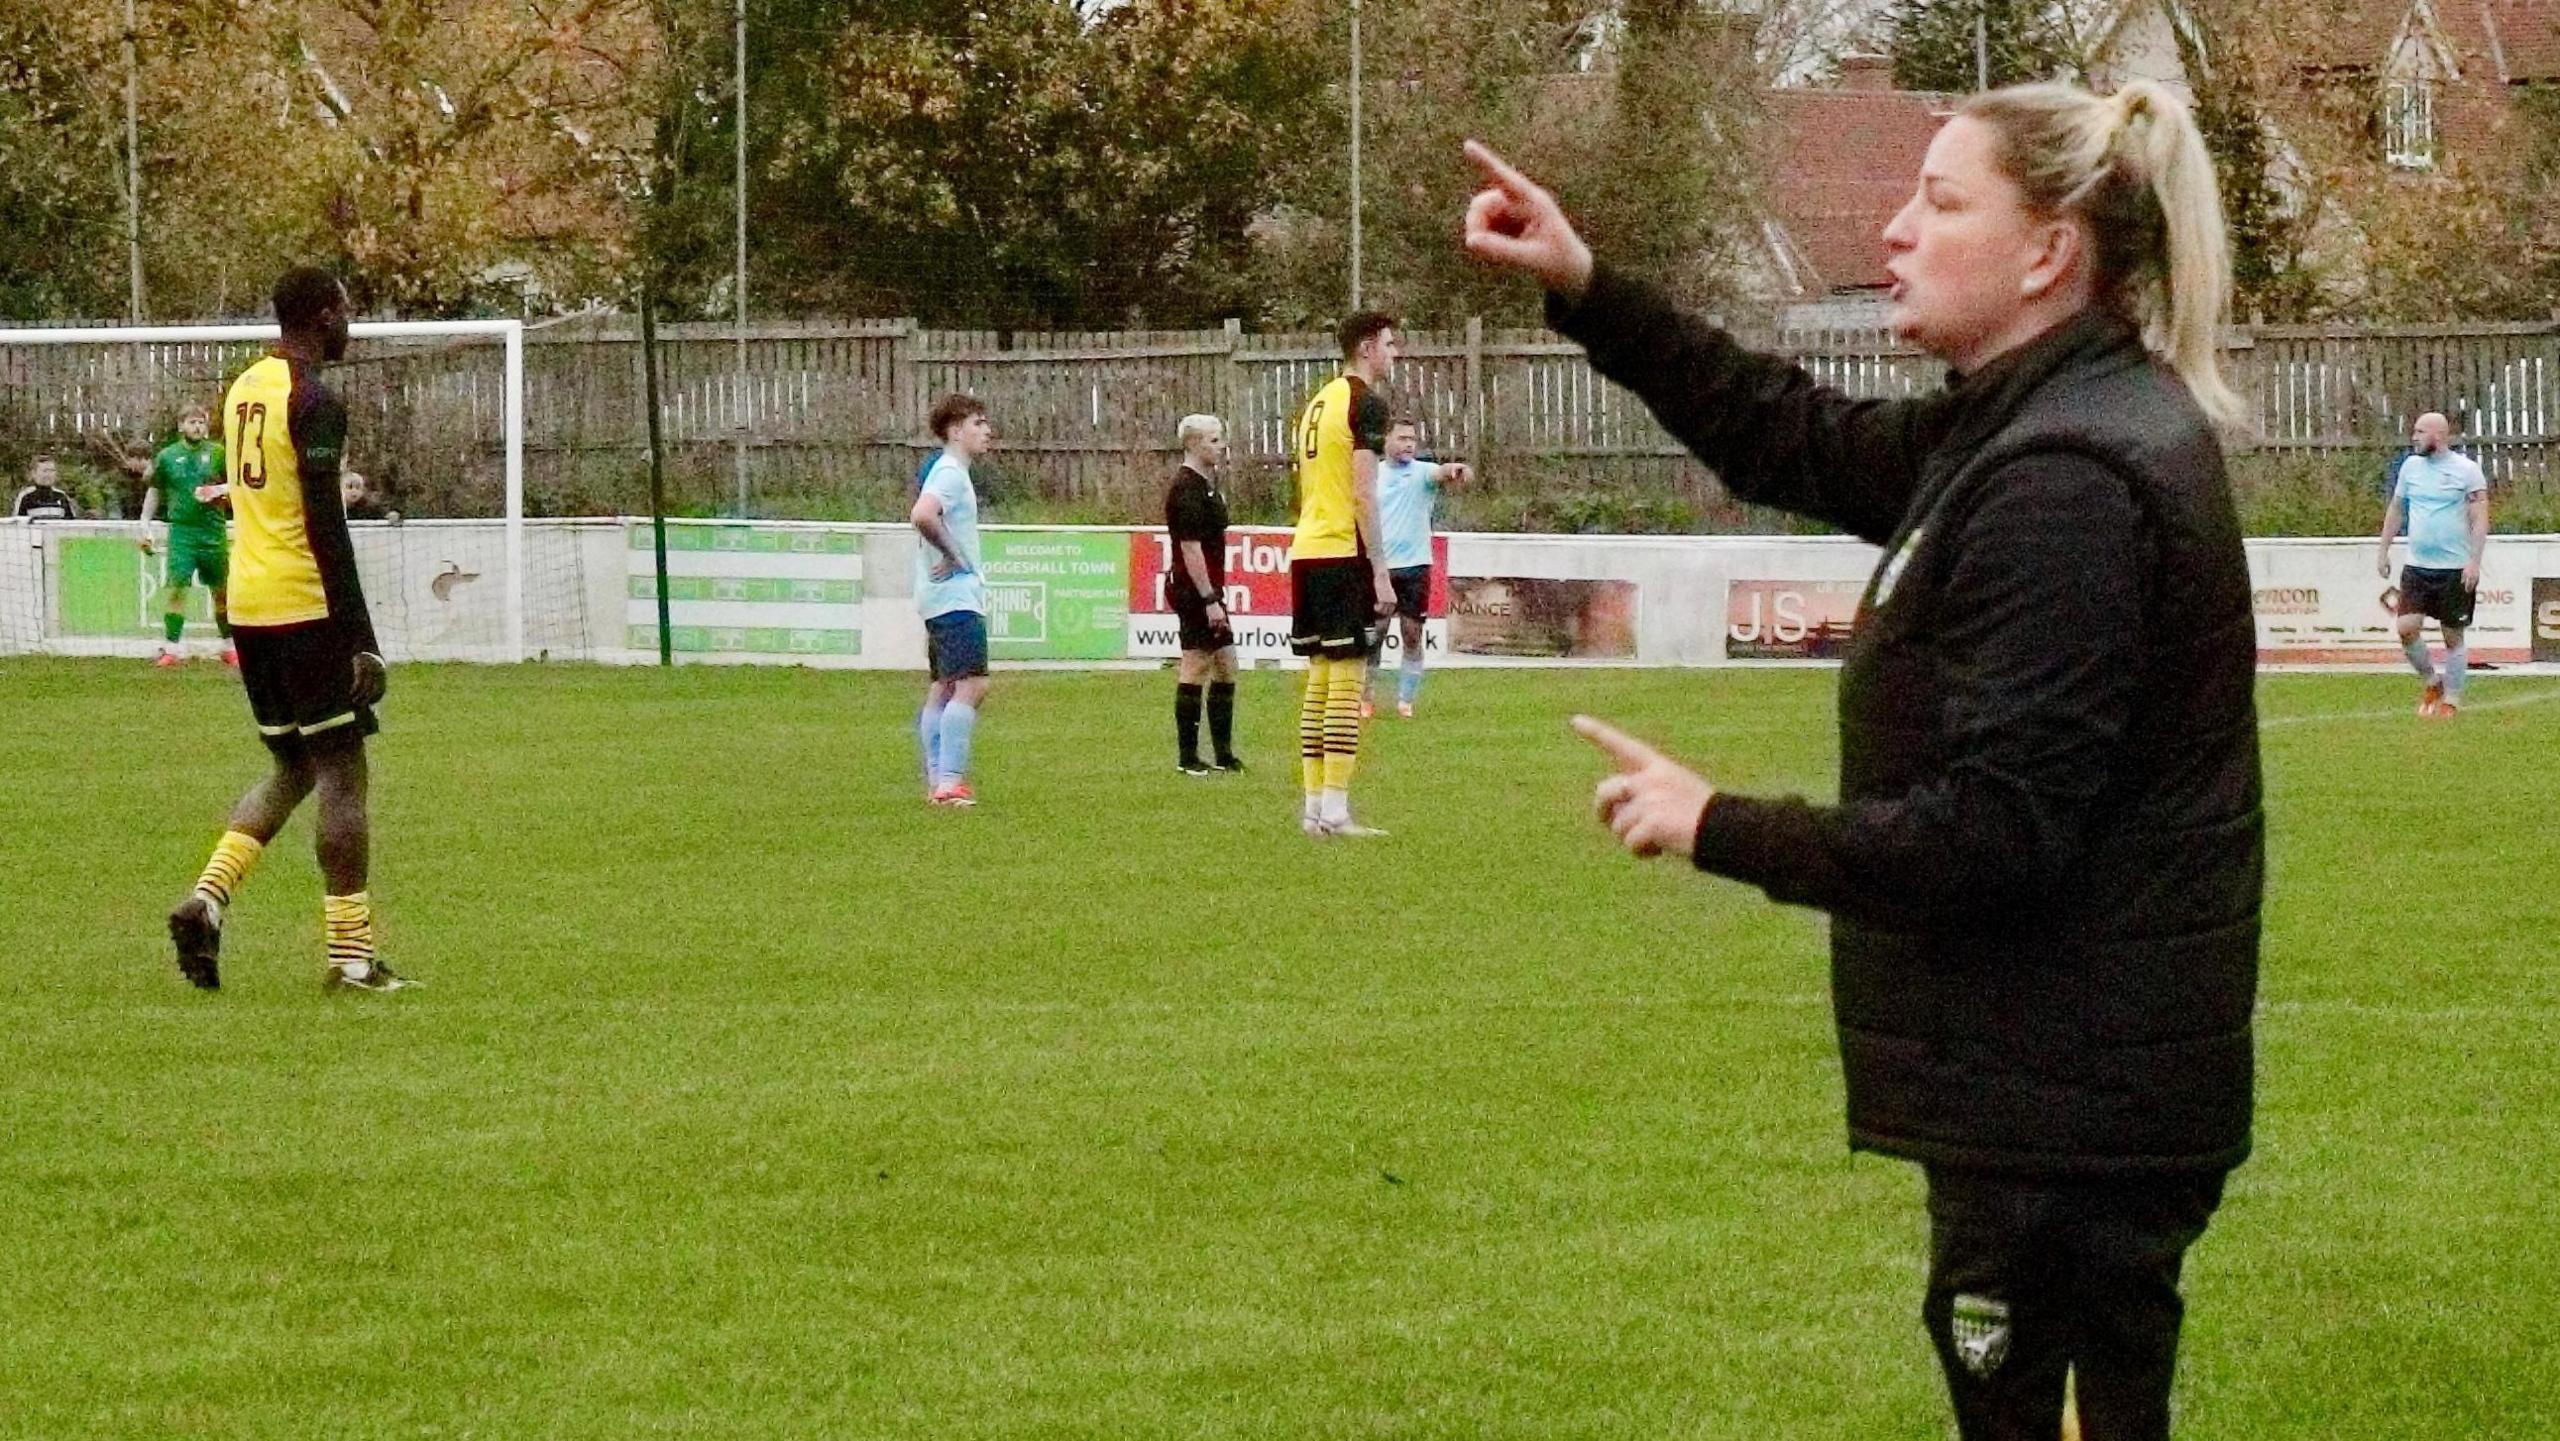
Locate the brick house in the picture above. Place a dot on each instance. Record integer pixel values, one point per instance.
(1842, 159)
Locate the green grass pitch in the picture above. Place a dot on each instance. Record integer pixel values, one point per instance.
(750, 1097)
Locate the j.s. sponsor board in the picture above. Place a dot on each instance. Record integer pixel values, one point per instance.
(1790, 619)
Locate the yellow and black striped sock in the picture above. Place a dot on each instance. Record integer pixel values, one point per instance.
(1342, 723)
(233, 855)
(350, 925)
(1312, 704)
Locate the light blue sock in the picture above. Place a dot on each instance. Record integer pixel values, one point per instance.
(929, 731)
(2457, 663)
(959, 727)
(1409, 684)
(2416, 648)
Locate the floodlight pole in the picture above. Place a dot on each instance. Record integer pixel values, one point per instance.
(738, 417)
(133, 162)
(1355, 154)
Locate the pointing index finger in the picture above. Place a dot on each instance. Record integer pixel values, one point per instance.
(1499, 170)
(1629, 753)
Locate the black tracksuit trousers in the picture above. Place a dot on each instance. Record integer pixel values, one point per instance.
(2031, 1278)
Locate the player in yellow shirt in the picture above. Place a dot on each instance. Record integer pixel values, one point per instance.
(308, 656)
(1338, 583)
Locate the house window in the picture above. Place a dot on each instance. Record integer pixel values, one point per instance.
(2409, 124)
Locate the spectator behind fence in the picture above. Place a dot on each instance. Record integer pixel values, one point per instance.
(44, 498)
(356, 494)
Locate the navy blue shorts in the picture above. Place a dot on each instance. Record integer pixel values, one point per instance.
(1413, 590)
(955, 644)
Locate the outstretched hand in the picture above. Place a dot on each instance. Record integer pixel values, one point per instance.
(1652, 803)
(1513, 221)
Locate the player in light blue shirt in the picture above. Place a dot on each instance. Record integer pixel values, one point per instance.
(951, 595)
(1407, 488)
(2445, 499)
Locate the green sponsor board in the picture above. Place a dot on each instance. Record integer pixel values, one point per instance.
(762, 589)
(106, 586)
(749, 640)
(1056, 595)
(748, 538)
(740, 588)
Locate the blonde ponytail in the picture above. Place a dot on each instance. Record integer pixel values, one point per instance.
(2133, 167)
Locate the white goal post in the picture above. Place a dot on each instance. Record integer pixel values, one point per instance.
(511, 332)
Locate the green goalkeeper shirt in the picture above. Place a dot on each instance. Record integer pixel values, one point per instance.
(177, 470)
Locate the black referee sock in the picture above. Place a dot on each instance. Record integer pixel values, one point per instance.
(1222, 718)
(1186, 721)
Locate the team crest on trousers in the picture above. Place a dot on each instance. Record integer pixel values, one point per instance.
(1980, 1328)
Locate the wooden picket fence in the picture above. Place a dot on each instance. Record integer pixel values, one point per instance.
(814, 410)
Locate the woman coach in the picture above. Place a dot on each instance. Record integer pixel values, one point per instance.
(2045, 867)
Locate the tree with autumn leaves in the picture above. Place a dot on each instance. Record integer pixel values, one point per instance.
(443, 156)
(1086, 164)
(1008, 163)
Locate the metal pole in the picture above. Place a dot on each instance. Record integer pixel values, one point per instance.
(133, 162)
(515, 490)
(657, 467)
(738, 417)
(1982, 46)
(1355, 154)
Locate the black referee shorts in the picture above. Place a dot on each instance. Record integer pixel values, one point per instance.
(1332, 608)
(302, 681)
(1198, 632)
(2031, 1278)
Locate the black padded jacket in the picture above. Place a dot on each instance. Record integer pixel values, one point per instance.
(2045, 867)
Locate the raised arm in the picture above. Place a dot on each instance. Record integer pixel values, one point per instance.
(1774, 435)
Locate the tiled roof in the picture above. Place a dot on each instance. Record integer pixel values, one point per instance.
(1841, 162)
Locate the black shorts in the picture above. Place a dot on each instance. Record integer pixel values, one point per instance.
(1197, 632)
(302, 687)
(955, 645)
(2439, 595)
(1332, 609)
(1413, 590)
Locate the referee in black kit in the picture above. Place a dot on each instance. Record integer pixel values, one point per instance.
(2045, 868)
(1195, 520)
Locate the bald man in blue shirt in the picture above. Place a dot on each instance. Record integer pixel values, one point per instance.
(2445, 499)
